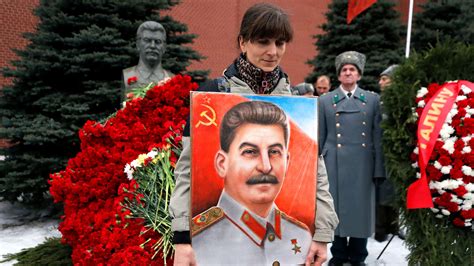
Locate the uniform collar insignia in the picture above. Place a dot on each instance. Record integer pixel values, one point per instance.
(252, 225)
(360, 95)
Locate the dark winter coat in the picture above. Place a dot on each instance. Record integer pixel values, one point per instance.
(350, 142)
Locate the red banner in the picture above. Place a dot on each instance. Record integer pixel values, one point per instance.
(356, 7)
(429, 125)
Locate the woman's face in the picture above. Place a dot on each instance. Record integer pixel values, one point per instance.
(264, 53)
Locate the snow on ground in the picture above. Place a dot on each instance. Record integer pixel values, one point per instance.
(21, 228)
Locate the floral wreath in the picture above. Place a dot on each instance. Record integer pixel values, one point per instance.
(450, 167)
(99, 221)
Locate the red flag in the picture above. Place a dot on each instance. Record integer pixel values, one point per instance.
(356, 7)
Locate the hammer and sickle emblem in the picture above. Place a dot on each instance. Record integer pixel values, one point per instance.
(209, 120)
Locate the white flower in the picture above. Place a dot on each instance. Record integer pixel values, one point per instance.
(467, 205)
(460, 98)
(437, 165)
(439, 216)
(465, 89)
(470, 187)
(467, 170)
(435, 210)
(422, 92)
(445, 212)
(416, 150)
(418, 175)
(469, 112)
(446, 169)
(449, 144)
(135, 164)
(129, 171)
(446, 131)
(421, 103)
(468, 196)
(152, 154)
(414, 165)
(466, 149)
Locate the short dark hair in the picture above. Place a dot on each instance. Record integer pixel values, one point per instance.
(252, 112)
(151, 26)
(265, 20)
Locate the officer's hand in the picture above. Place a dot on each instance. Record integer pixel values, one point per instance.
(317, 253)
(184, 255)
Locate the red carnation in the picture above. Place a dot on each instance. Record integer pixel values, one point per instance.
(444, 160)
(131, 80)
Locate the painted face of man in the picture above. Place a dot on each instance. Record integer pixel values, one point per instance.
(349, 75)
(265, 53)
(255, 166)
(151, 46)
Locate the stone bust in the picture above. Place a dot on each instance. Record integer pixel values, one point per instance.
(151, 46)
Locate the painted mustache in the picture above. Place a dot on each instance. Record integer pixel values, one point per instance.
(262, 179)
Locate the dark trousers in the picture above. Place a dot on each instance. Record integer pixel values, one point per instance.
(353, 250)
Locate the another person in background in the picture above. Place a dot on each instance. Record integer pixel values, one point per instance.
(303, 89)
(386, 77)
(350, 141)
(151, 46)
(323, 85)
(264, 33)
(386, 221)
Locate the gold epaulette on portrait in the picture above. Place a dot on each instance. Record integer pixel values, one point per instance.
(294, 221)
(202, 221)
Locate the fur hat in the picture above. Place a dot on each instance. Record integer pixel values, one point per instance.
(302, 89)
(389, 71)
(351, 57)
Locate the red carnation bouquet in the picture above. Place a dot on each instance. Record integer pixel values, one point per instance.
(450, 167)
(98, 222)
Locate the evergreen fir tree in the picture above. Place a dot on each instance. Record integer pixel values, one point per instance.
(431, 241)
(69, 73)
(376, 33)
(442, 20)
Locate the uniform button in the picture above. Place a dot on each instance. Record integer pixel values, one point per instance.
(271, 237)
(338, 135)
(363, 134)
(276, 263)
(363, 123)
(339, 145)
(363, 144)
(338, 125)
(246, 217)
(363, 103)
(337, 114)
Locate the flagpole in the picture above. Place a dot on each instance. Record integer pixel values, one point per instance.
(410, 15)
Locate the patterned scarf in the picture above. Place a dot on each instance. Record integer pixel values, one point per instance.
(259, 81)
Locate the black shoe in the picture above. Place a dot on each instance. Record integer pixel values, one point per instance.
(380, 237)
(336, 262)
(358, 264)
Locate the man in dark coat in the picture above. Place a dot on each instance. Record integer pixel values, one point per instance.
(350, 142)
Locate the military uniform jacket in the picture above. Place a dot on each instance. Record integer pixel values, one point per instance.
(140, 76)
(326, 220)
(350, 142)
(230, 234)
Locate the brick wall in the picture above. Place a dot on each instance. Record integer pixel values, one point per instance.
(16, 17)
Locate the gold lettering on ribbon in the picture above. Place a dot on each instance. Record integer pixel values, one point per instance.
(208, 120)
(433, 114)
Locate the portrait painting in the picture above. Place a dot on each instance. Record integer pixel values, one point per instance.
(253, 177)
